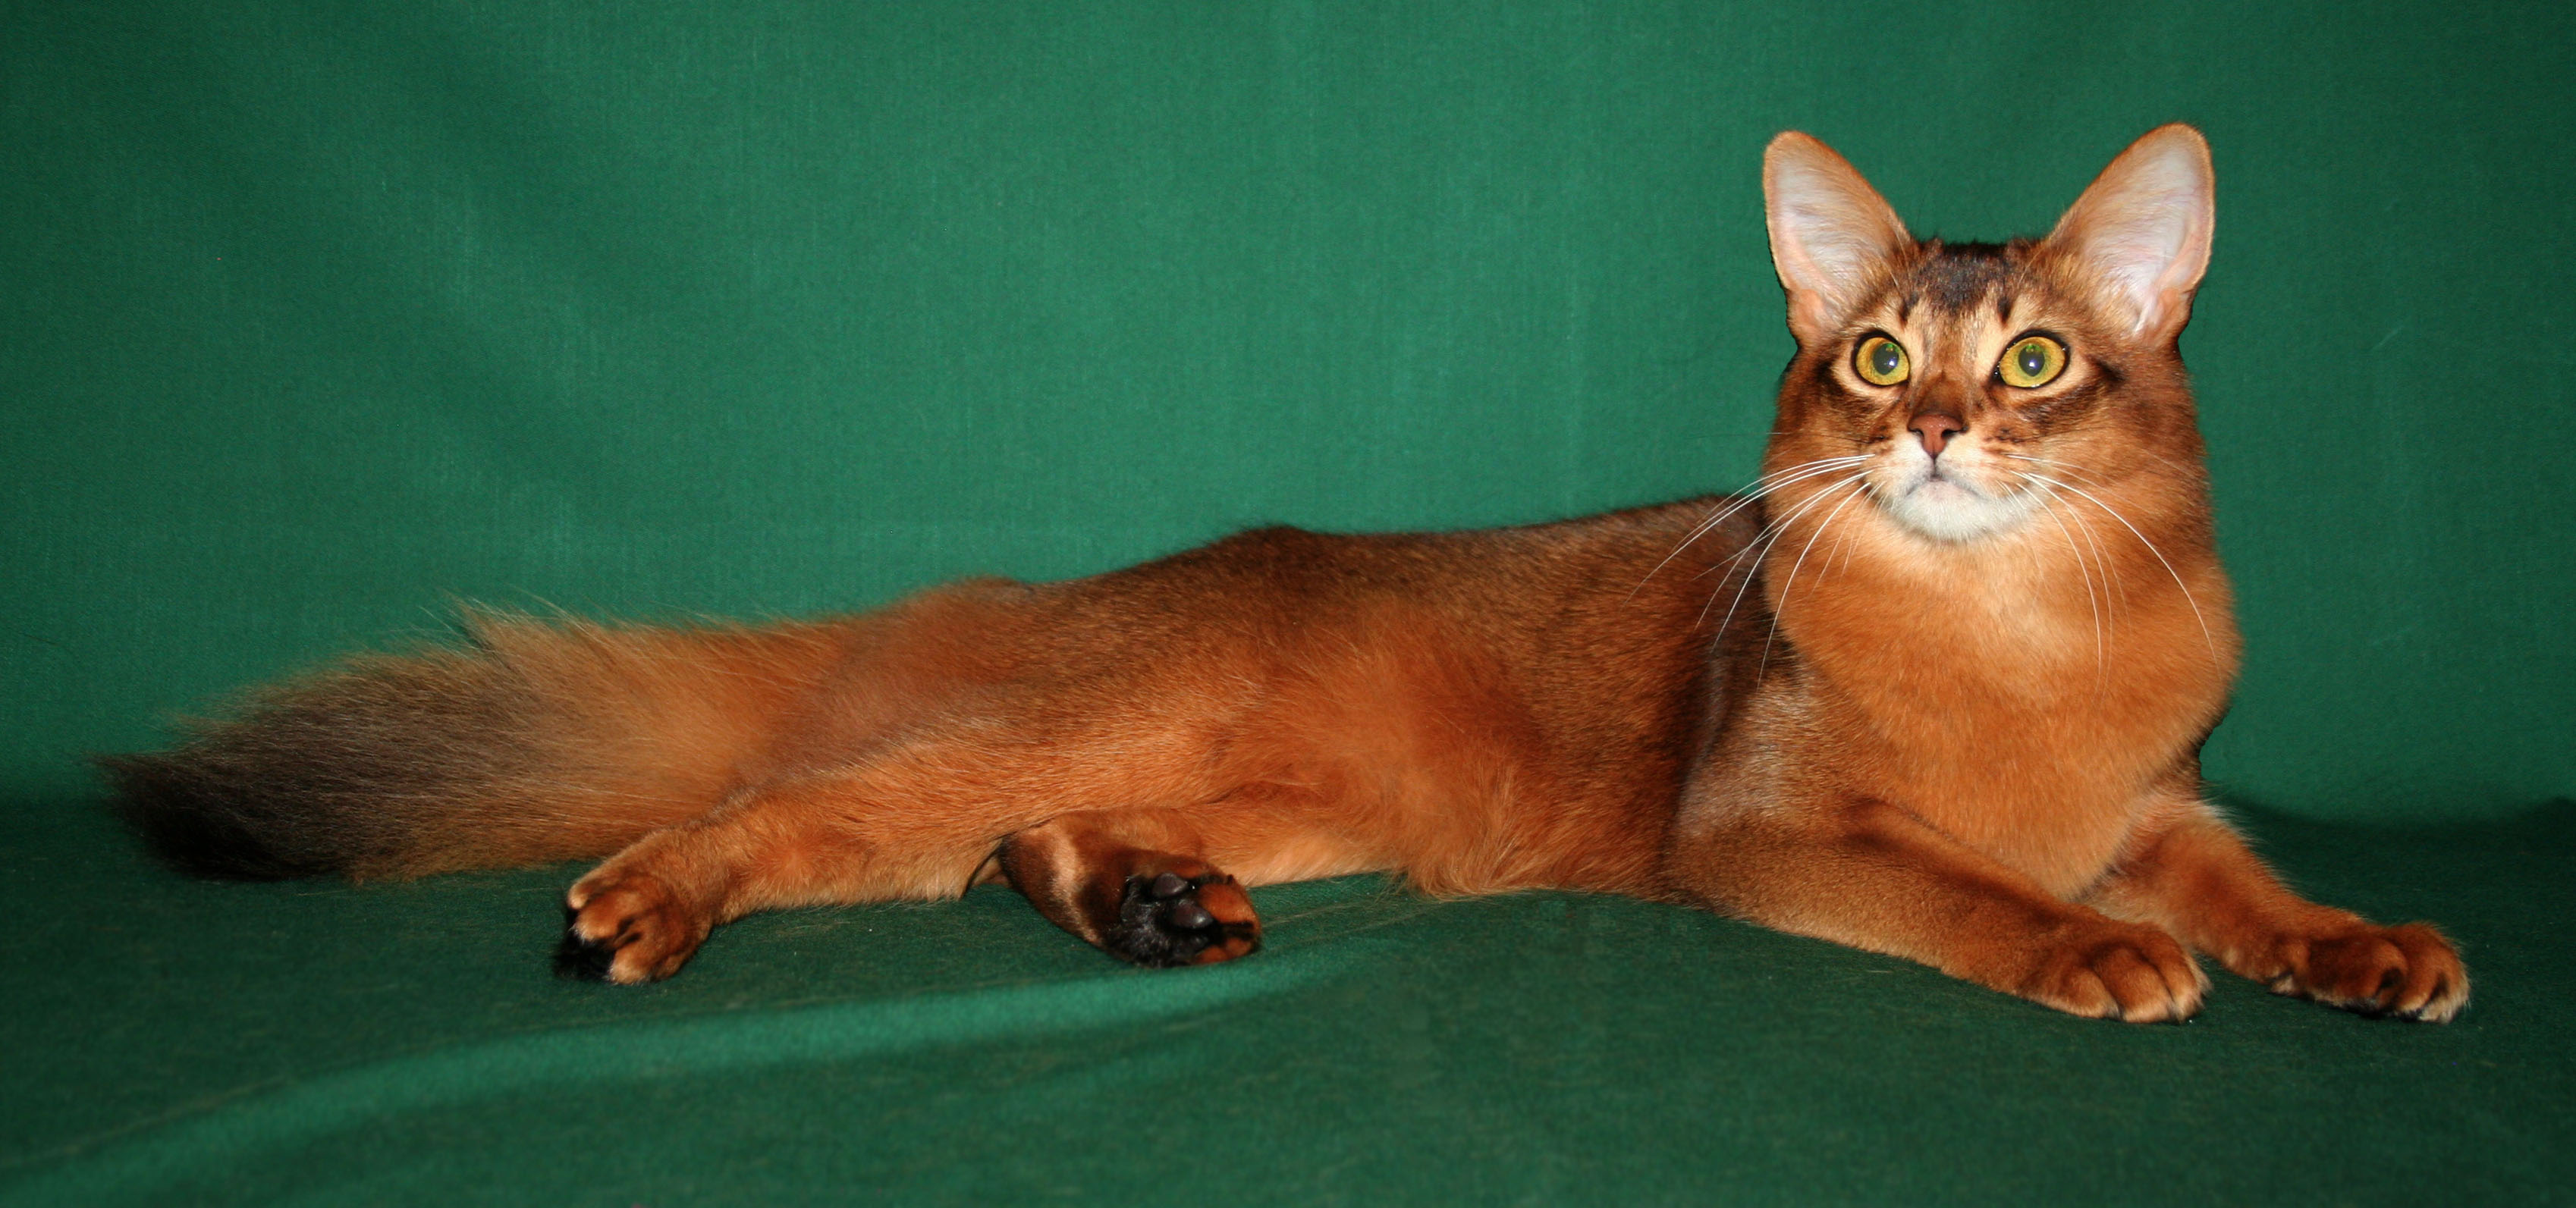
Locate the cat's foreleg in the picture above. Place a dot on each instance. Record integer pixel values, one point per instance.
(2195, 877)
(1868, 874)
(1123, 883)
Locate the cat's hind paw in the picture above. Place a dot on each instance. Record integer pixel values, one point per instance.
(1168, 919)
(628, 927)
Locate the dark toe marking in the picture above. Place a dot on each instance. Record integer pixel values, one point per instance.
(1161, 923)
(582, 959)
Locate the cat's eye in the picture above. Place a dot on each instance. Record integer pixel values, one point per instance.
(1880, 361)
(2032, 361)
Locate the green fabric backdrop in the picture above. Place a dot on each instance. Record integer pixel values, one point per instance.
(320, 314)
(314, 317)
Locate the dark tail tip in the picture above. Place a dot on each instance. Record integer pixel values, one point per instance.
(197, 822)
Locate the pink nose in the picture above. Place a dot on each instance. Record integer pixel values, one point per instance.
(1936, 430)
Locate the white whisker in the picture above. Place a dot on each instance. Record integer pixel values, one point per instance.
(1773, 534)
(1792, 580)
(2114, 589)
(2101, 647)
(1767, 530)
(1773, 482)
(1758, 488)
(2107, 509)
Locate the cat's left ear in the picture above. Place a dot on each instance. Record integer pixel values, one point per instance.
(2140, 233)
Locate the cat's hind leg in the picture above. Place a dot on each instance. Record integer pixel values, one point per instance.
(917, 820)
(1110, 880)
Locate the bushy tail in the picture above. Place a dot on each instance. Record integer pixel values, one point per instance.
(541, 741)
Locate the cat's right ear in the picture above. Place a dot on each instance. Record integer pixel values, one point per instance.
(1832, 236)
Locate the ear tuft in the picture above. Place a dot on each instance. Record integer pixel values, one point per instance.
(1831, 234)
(2141, 231)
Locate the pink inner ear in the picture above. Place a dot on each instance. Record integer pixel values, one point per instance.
(1830, 232)
(2143, 228)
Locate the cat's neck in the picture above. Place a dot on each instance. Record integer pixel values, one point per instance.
(2023, 690)
(2034, 615)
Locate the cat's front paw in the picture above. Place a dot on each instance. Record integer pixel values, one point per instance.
(628, 926)
(2403, 972)
(2115, 970)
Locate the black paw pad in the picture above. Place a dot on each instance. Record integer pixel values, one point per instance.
(582, 959)
(1160, 920)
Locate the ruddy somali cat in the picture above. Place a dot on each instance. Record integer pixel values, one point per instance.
(1937, 688)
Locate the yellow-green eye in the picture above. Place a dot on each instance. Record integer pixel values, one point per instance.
(2032, 361)
(1880, 361)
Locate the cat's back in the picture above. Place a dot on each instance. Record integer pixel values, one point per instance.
(1588, 633)
(1521, 574)
(1589, 636)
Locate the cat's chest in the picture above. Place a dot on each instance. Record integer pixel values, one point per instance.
(1914, 639)
(2025, 723)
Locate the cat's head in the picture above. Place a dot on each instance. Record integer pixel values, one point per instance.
(1960, 389)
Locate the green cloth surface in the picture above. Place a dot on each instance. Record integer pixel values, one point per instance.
(317, 316)
(190, 1043)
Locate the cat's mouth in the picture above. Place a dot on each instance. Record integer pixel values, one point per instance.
(1946, 504)
(1940, 488)
(1933, 483)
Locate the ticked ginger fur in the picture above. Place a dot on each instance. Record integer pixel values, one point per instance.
(1936, 688)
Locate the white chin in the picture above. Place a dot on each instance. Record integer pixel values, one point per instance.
(1944, 510)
